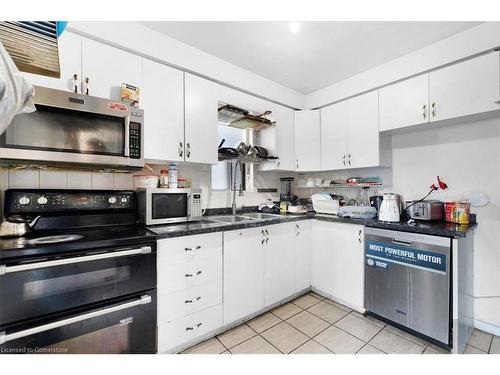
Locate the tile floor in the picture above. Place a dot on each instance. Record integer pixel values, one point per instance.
(312, 324)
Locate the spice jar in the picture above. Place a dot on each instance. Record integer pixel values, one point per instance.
(164, 178)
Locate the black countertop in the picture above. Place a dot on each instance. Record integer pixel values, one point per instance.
(436, 228)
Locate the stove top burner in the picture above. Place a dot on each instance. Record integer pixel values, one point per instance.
(54, 239)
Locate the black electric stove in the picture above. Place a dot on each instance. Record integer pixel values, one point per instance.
(83, 280)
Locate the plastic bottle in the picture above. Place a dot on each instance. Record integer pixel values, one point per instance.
(172, 176)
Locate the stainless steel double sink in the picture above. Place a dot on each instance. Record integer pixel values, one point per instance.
(242, 218)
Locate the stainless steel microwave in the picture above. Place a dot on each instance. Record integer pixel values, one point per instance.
(164, 206)
(75, 129)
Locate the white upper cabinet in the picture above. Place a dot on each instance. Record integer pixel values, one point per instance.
(363, 141)
(108, 67)
(405, 103)
(200, 120)
(334, 136)
(70, 62)
(307, 141)
(350, 135)
(465, 88)
(280, 140)
(162, 98)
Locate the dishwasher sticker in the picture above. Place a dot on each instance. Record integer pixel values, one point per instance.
(377, 263)
(413, 257)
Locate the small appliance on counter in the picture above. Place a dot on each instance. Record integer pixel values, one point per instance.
(390, 209)
(166, 206)
(425, 210)
(376, 202)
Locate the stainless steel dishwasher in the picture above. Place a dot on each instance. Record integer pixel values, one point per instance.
(407, 280)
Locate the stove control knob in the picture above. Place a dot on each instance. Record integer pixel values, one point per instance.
(24, 200)
(124, 200)
(112, 200)
(42, 200)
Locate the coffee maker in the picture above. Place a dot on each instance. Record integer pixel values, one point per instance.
(286, 191)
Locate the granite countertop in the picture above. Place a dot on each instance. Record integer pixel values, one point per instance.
(437, 228)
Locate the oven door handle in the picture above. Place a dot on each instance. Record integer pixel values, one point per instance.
(59, 262)
(4, 337)
(126, 151)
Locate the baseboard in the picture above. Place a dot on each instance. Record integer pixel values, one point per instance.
(487, 327)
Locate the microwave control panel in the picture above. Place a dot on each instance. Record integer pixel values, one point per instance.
(135, 140)
(196, 205)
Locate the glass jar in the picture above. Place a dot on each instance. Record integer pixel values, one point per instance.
(172, 176)
(164, 178)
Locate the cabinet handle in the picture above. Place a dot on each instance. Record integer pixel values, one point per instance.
(298, 232)
(278, 164)
(192, 248)
(193, 327)
(297, 226)
(267, 232)
(191, 275)
(188, 150)
(359, 236)
(424, 111)
(497, 102)
(193, 300)
(433, 109)
(180, 149)
(267, 239)
(343, 160)
(262, 242)
(75, 83)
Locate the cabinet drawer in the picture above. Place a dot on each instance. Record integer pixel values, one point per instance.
(177, 277)
(187, 249)
(184, 330)
(185, 302)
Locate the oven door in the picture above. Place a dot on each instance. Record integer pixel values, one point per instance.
(74, 128)
(172, 206)
(40, 287)
(122, 326)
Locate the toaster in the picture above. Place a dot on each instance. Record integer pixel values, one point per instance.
(425, 210)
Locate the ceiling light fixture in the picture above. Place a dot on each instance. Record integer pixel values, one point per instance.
(294, 27)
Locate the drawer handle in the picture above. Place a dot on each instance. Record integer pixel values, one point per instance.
(193, 300)
(191, 275)
(192, 328)
(192, 248)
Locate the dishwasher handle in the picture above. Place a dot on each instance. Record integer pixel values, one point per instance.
(399, 242)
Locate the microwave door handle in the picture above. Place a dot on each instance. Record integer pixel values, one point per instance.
(189, 203)
(4, 337)
(127, 136)
(59, 262)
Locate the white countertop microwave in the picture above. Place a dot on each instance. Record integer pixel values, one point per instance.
(165, 206)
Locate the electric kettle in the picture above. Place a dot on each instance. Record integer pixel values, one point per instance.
(390, 209)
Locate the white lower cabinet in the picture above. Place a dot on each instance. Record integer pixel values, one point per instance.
(243, 273)
(279, 262)
(302, 255)
(189, 289)
(337, 266)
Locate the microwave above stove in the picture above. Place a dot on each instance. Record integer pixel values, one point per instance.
(165, 206)
(70, 128)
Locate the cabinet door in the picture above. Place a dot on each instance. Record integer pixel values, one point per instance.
(243, 273)
(108, 67)
(405, 103)
(362, 131)
(348, 264)
(334, 137)
(302, 255)
(279, 262)
(321, 257)
(200, 120)
(70, 62)
(280, 140)
(465, 88)
(162, 98)
(307, 141)
(337, 261)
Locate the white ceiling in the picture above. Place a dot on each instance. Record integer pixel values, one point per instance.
(318, 55)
